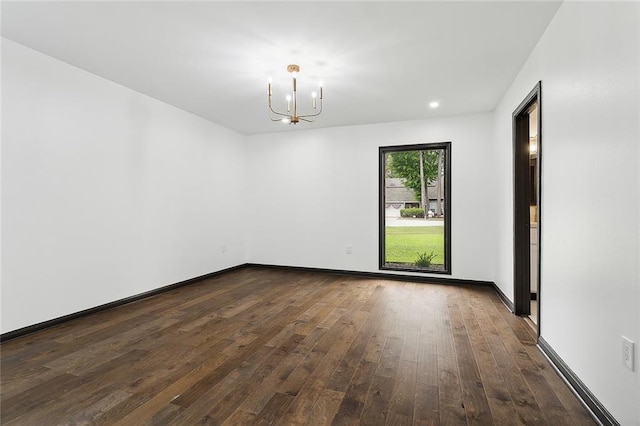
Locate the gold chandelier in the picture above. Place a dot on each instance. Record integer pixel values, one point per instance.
(292, 116)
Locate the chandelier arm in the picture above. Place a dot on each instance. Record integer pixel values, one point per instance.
(310, 115)
(271, 110)
(276, 118)
(314, 114)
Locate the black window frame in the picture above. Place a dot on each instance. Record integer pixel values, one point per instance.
(382, 151)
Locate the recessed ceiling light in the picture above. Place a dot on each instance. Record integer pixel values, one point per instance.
(434, 104)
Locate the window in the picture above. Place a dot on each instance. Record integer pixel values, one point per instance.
(415, 211)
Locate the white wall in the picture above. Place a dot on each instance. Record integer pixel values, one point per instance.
(587, 61)
(315, 191)
(106, 193)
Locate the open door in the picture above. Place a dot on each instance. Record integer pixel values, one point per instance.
(527, 190)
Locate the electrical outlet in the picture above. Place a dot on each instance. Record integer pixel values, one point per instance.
(627, 353)
(347, 249)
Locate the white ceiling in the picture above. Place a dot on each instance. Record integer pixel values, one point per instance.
(379, 61)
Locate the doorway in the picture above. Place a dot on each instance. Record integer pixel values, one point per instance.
(526, 196)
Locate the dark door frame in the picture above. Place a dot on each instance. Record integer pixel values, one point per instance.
(521, 201)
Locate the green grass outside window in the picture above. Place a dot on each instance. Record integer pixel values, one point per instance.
(403, 244)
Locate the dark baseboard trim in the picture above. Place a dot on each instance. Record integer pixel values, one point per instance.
(376, 275)
(56, 321)
(508, 303)
(597, 409)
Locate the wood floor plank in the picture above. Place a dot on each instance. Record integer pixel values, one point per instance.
(401, 405)
(376, 407)
(352, 404)
(496, 332)
(86, 358)
(38, 396)
(267, 346)
(450, 402)
(349, 363)
(474, 397)
(325, 407)
(24, 379)
(578, 415)
(388, 364)
(274, 409)
(334, 344)
(251, 375)
(262, 396)
(502, 408)
(426, 409)
(373, 349)
(101, 406)
(427, 361)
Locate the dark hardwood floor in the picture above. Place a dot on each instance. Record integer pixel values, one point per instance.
(263, 346)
